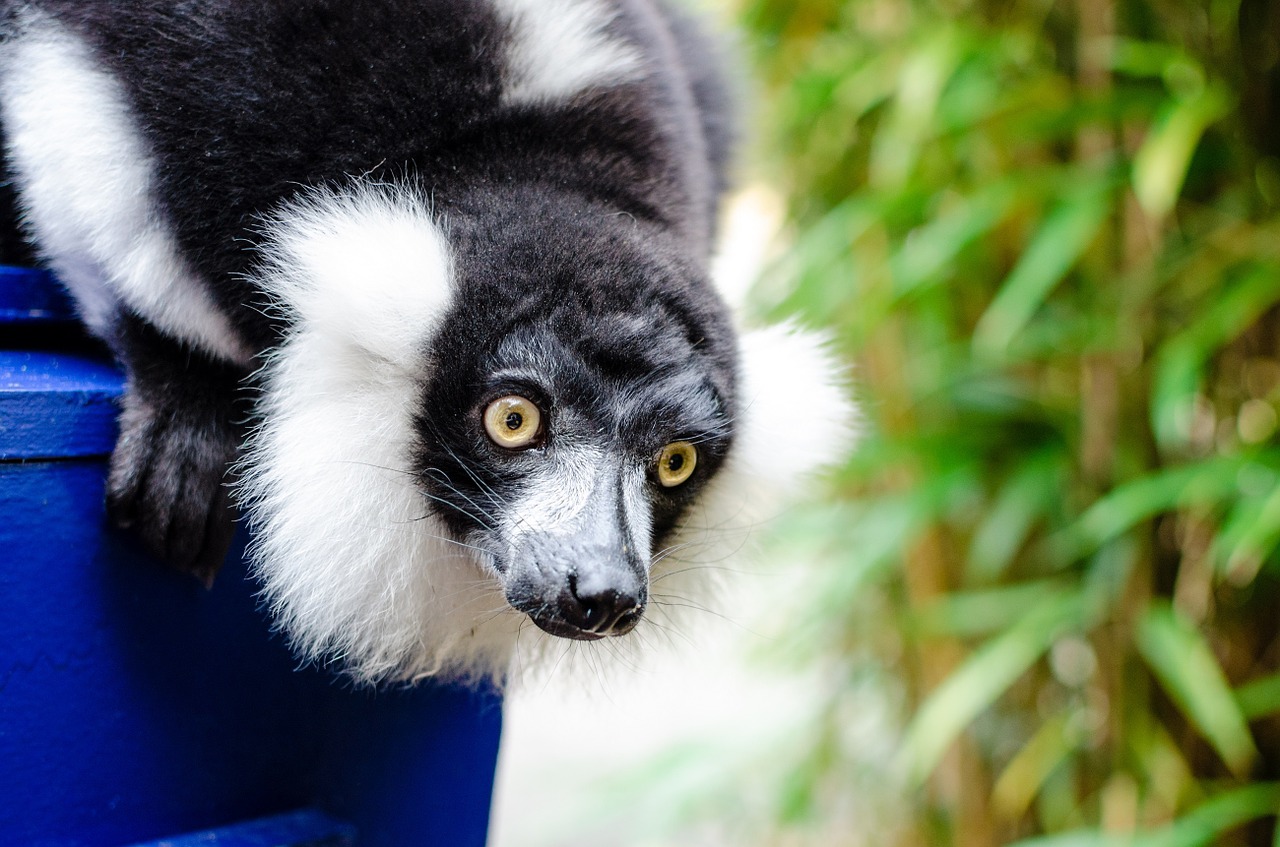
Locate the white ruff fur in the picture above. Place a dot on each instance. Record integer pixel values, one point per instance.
(88, 191)
(354, 563)
(560, 48)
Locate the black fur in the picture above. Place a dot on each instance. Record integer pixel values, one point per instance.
(243, 102)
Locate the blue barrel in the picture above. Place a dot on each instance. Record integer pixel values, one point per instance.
(136, 706)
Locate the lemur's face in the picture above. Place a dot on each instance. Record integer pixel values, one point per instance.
(567, 447)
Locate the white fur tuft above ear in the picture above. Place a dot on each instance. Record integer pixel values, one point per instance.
(367, 267)
(560, 48)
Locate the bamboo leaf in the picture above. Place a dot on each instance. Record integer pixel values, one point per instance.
(1054, 249)
(802, 279)
(1259, 698)
(1180, 362)
(1186, 668)
(1177, 382)
(1206, 823)
(1020, 501)
(974, 613)
(1143, 58)
(1080, 838)
(1160, 165)
(1250, 534)
(1107, 574)
(931, 249)
(1209, 481)
(987, 673)
(1201, 826)
(1026, 772)
(920, 82)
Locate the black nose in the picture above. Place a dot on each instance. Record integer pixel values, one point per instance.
(604, 603)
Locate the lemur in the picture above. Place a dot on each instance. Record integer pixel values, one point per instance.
(421, 288)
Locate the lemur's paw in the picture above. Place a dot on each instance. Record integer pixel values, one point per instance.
(168, 485)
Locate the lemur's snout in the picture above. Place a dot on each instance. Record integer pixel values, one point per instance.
(578, 565)
(603, 604)
(592, 598)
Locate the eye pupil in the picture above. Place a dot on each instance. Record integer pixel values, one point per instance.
(676, 462)
(514, 421)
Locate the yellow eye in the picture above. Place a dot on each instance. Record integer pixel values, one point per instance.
(513, 422)
(676, 463)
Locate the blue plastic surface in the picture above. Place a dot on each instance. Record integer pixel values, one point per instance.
(55, 405)
(135, 705)
(28, 294)
(307, 828)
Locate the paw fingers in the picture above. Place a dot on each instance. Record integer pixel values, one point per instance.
(201, 519)
(131, 466)
(167, 486)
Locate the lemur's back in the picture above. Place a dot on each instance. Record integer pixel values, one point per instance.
(240, 104)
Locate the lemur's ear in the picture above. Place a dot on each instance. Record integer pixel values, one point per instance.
(794, 413)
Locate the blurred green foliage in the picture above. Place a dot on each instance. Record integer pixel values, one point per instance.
(1048, 234)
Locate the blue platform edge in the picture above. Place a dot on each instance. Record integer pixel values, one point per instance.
(53, 405)
(30, 295)
(136, 705)
(306, 828)
(56, 405)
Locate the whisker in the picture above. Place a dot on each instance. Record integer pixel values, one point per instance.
(554, 668)
(443, 479)
(435, 536)
(484, 486)
(488, 490)
(668, 631)
(665, 601)
(699, 566)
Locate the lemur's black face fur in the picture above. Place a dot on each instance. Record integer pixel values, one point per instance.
(567, 437)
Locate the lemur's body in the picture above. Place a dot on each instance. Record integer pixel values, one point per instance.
(402, 213)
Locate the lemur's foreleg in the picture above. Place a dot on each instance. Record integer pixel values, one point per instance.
(180, 428)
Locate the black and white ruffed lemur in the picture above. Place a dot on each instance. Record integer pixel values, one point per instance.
(448, 259)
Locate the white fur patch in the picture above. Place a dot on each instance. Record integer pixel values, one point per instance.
(638, 513)
(355, 565)
(554, 498)
(87, 191)
(561, 48)
(794, 413)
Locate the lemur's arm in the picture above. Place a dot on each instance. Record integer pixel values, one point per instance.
(180, 430)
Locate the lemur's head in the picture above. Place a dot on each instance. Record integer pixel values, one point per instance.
(482, 417)
(583, 402)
